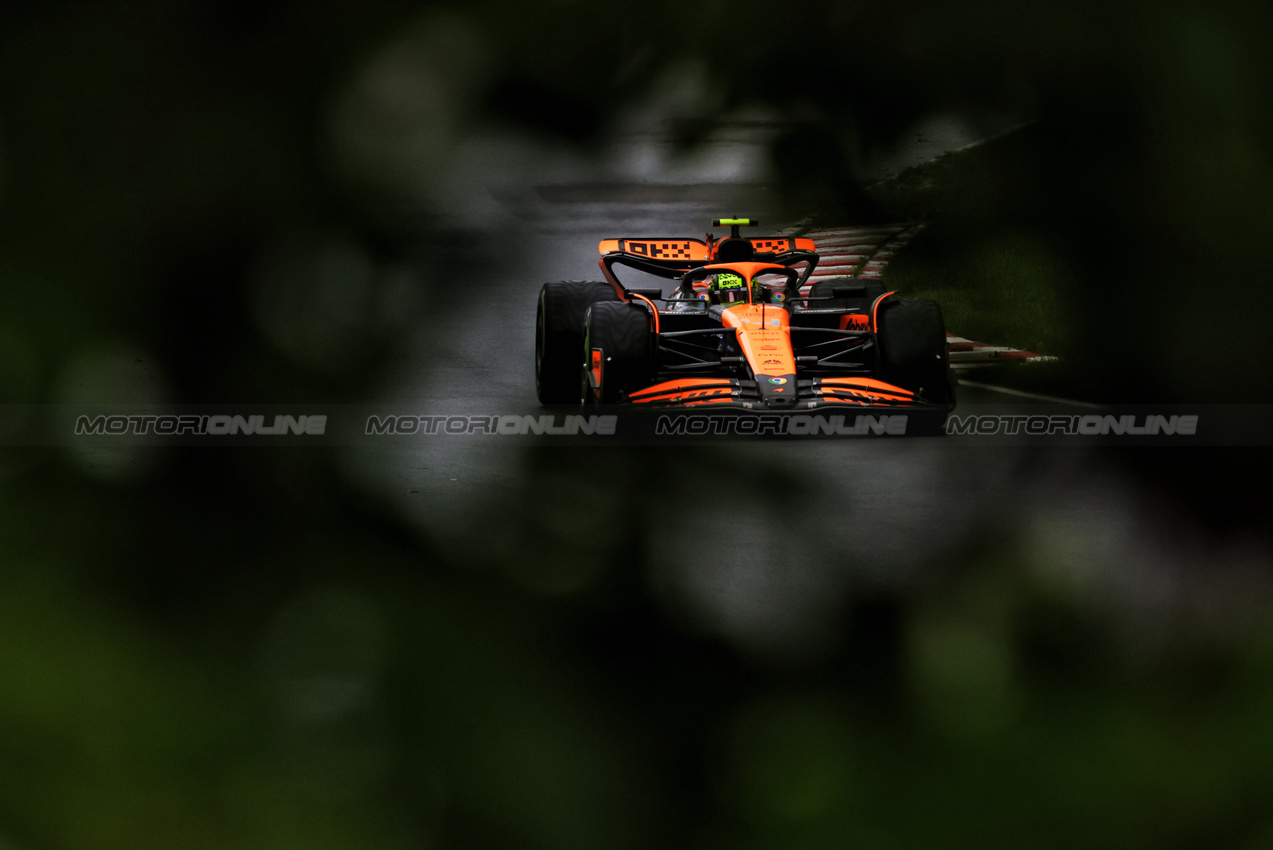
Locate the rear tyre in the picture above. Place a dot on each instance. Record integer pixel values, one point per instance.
(559, 336)
(912, 341)
(826, 289)
(616, 352)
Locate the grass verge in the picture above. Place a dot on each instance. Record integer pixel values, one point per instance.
(988, 256)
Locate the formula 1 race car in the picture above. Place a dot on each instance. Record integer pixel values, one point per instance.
(740, 330)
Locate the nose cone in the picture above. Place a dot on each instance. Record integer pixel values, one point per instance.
(777, 391)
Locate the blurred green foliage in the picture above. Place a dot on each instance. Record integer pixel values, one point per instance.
(215, 648)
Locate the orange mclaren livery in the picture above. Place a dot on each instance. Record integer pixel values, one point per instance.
(739, 327)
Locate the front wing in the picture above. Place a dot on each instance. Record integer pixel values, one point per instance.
(811, 394)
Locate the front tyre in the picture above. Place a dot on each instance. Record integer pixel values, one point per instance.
(913, 353)
(616, 352)
(559, 336)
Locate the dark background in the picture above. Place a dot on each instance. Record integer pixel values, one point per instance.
(234, 647)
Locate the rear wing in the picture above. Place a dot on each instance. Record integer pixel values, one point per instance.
(782, 244)
(684, 254)
(672, 258)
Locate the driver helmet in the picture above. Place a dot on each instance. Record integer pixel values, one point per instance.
(730, 288)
